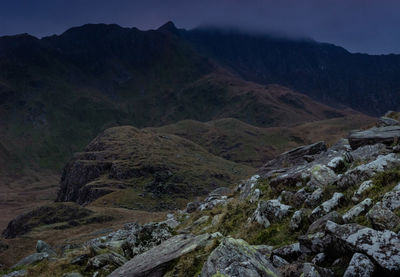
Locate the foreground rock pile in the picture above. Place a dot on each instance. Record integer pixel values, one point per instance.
(312, 211)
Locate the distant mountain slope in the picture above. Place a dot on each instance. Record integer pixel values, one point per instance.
(59, 92)
(368, 83)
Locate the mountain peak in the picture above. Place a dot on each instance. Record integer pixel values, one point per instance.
(169, 27)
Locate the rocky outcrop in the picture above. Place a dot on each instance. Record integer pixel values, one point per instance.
(43, 252)
(123, 157)
(383, 247)
(387, 135)
(236, 258)
(360, 265)
(155, 261)
(382, 218)
(270, 211)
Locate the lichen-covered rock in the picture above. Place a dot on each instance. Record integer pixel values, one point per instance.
(113, 260)
(386, 135)
(247, 187)
(289, 252)
(155, 261)
(17, 273)
(322, 176)
(360, 265)
(270, 211)
(278, 261)
(391, 200)
(328, 206)
(383, 247)
(192, 206)
(303, 270)
(319, 224)
(357, 210)
(236, 258)
(366, 171)
(387, 121)
(31, 259)
(319, 258)
(382, 218)
(315, 198)
(364, 187)
(315, 243)
(297, 220)
(43, 247)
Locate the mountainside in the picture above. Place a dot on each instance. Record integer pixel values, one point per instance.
(325, 72)
(312, 211)
(154, 171)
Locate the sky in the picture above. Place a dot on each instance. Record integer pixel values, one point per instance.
(367, 26)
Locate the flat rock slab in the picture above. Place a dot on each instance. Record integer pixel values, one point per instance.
(386, 135)
(154, 262)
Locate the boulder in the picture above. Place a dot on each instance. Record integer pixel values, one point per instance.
(43, 247)
(319, 258)
(322, 176)
(17, 273)
(316, 243)
(278, 261)
(328, 206)
(365, 186)
(289, 252)
(304, 270)
(112, 259)
(236, 258)
(357, 210)
(360, 265)
(270, 211)
(297, 220)
(32, 259)
(247, 187)
(315, 198)
(155, 261)
(391, 200)
(319, 224)
(383, 247)
(384, 121)
(387, 135)
(369, 153)
(192, 206)
(382, 218)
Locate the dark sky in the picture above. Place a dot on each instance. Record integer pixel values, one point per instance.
(371, 26)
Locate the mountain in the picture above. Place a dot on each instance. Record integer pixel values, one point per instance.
(57, 93)
(325, 72)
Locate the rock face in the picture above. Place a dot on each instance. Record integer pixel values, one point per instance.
(387, 135)
(360, 265)
(155, 261)
(123, 157)
(383, 247)
(236, 258)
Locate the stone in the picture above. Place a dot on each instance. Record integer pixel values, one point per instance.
(364, 187)
(315, 198)
(255, 195)
(217, 219)
(360, 265)
(315, 243)
(322, 176)
(369, 153)
(383, 247)
(319, 258)
(382, 218)
(391, 200)
(247, 187)
(297, 220)
(304, 269)
(289, 252)
(265, 250)
(32, 259)
(43, 247)
(270, 211)
(17, 273)
(278, 261)
(155, 261)
(357, 210)
(192, 206)
(201, 220)
(236, 258)
(387, 135)
(80, 260)
(107, 259)
(387, 121)
(328, 206)
(319, 224)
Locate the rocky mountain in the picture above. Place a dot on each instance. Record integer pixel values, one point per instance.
(142, 169)
(323, 71)
(312, 211)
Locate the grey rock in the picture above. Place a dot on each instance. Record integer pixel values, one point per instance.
(369, 153)
(221, 191)
(270, 211)
(236, 258)
(297, 220)
(322, 176)
(315, 198)
(247, 187)
(366, 171)
(17, 273)
(278, 261)
(192, 206)
(315, 243)
(107, 259)
(382, 218)
(155, 261)
(31, 259)
(72, 274)
(80, 259)
(319, 224)
(319, 258)
(396, 188)
(328, 206)
(383, 247)
(364, 187)
(289, 252)
(357, 210)
(201, 220)
(43, 247)
(360, 265)
(386, 135)
(387, 121)
(391, 200)
(265, 250)
(255, 195)
(304, 269)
